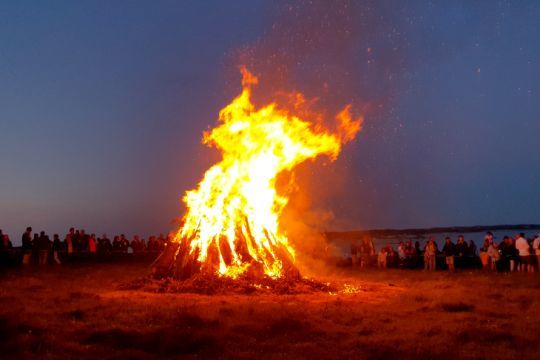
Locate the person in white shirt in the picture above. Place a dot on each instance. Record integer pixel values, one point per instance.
(522, 245)
(536, 248)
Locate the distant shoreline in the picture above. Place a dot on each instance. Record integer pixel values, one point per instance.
(418, 232)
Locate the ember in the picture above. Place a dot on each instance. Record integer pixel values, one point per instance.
(232, 226)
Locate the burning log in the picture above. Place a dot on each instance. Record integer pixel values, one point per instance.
(232, 226)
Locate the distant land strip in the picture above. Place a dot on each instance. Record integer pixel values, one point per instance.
(419, 233)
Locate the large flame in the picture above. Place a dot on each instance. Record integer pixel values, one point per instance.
(233, 217)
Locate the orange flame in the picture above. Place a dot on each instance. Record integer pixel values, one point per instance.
(232, 218)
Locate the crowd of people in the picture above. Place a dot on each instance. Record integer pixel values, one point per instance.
(38, 248)
(512, 254)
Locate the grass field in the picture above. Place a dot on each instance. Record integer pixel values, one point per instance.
(79, 312)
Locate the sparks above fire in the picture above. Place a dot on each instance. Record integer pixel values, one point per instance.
(232, 224)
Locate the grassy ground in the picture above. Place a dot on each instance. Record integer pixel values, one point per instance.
(79, 312)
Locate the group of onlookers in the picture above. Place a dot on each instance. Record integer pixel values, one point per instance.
(39, 248)
(511, 254)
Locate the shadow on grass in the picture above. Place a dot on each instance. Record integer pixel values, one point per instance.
(190, 334)
(15, 337)
(457, 307)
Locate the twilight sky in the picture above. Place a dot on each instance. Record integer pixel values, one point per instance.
(102, 107)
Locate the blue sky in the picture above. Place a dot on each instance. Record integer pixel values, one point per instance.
(103, 104)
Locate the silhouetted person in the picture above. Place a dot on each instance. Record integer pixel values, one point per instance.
(153, 244)
(136, 244)
(35, 249)
(117, 245)
(124, 244)
(56, 247)
(44, 247)
(6, 243)
(84, 238)
(104, 245)
(70, 241)
(473, 250)
(449, 251)
(27, 246)
(92, 244)
(462, 250)
(77, 241)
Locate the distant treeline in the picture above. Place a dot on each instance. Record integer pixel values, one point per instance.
(420, 233)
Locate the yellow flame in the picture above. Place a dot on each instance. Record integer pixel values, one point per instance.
(232, 218)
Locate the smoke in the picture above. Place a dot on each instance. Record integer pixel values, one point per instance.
(328, 51)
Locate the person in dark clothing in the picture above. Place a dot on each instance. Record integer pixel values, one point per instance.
(417, 248)
(27, 246)
(44, 247)
(462, 250)
(35, 248)
(56, 247)
(473, 250)
(449, 251)
(83, 241)
(124, 244)
(508, 254)
(6, 243)
(117, 245)
(104, 245)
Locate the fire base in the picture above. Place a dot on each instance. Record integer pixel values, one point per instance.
(174, 273)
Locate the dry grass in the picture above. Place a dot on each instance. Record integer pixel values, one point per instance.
(81, 312)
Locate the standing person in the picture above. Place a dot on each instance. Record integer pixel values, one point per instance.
(449, 251)
(69, 240)
(76, 241)
(430, 252)
(462, 250)
(489, 237)
(473, 250)
(484, 257)
(401, 253)
(493, 252)
(506, 249)
(44, 247)
(536, 248)
(56, 247)
(124, 244)
(7, 245)
(84, 238)
(117, 244)
(27, 246)
(523, 248)
(104, 245)
(92, 246)
(35, 248)
(368, 250)
(381, 258)
(135, 244)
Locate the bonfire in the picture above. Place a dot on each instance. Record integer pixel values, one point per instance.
(231, 230)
